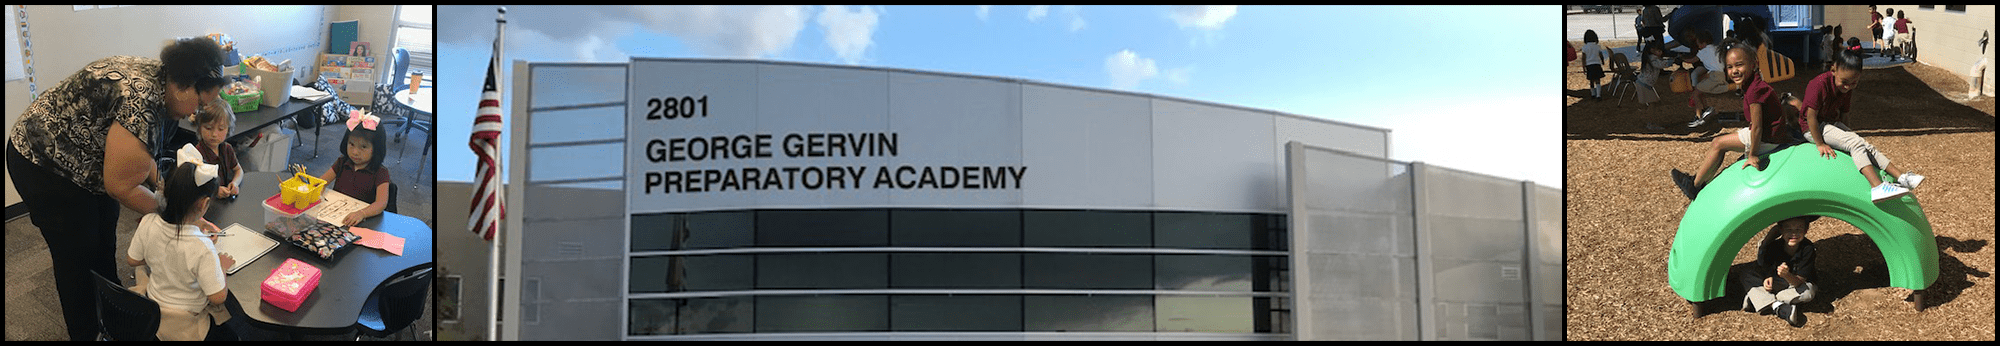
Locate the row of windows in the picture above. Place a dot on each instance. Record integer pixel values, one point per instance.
(966, 228)
(1223, 273)
(957, 313)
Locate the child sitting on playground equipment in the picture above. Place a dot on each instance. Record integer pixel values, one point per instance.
(1827, 101)
(1769, 127)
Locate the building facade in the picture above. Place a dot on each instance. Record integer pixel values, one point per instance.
(680, 199)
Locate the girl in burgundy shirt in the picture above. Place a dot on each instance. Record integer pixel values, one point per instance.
(1770, 125)
(359, 173)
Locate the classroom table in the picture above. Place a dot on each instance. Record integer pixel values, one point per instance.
(345, 282)
(247, 123)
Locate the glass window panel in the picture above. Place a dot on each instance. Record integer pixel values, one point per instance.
(862, 227)
(576, 162)
(690, 273)
(716, 315)
(823, 270)
(978, 313)
(652, 317)
(1075, 313)
(779, 314)
(1063, 228)
(955, 270)
(1087, 271)
(716, 230)
(653, 232)
(956, 227)
(1205, 314)
(1205, 272)
(1206, 231)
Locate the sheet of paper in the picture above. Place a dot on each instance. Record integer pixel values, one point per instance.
(379, 240)
(334, 207)
(244, 245)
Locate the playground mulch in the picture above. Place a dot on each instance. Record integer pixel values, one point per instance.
(1622, 211)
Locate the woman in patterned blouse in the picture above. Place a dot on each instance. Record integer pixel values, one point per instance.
(84, 147)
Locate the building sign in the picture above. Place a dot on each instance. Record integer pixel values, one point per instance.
(704, 135)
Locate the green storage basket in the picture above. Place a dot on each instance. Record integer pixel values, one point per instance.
(244, 102)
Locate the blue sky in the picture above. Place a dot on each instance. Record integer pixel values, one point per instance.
(1468, 87)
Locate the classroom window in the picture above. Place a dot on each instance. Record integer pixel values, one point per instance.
(413, 32)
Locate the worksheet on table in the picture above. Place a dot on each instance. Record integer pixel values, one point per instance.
(335, 207)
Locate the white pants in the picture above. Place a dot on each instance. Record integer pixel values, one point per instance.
(1841, 138)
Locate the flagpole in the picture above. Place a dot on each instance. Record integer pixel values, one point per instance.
(493, 271)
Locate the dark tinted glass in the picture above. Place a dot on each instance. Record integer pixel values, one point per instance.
(966, 313)
(842, 313)
(709, 230)
(1204, 273)
(823, 270)
(690, 273)
(1088, 271)
(955, 227)
(716, 315)
(1068, 228)
(814, 228)
(1077, 313)
(652, 317)
(955, 270)
(653, 232)
(1210, 231)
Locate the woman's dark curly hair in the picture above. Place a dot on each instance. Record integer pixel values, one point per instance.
(193, 62)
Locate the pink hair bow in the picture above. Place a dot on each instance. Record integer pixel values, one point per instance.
(356, 118)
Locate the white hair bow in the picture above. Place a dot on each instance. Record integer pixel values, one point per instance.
(203, 172)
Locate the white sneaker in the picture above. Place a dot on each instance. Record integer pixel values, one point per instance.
(1910, 180)
(1887, 191)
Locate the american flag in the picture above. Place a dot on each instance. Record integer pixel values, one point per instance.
(487, 208)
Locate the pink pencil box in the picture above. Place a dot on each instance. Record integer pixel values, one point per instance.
(289, 285)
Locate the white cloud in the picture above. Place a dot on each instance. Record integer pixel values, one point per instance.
(982, 11)
(849, 34)
(1075, 19)
(1036, 12)
(1205, 22)
(1179, 76)
(1204, 17)
(593, 31)
(1127, 69)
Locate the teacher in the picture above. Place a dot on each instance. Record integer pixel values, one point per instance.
(84, 148)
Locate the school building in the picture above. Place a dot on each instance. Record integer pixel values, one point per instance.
(705, 199)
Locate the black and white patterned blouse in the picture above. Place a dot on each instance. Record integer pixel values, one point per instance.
(64, 129)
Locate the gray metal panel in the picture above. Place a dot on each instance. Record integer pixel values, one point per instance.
(1353, 249)
(804, 99)
(1476, 226)
(572, 255)
(1086, 148)
(733, 101)
(1214, 158)
(950, 121)
(1331, 135)
(1545, 249)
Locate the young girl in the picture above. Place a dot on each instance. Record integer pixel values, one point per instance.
(177, 249)
(1593, 59)
(1769, 124)
(359, 172)
(1827, 102)
(213, 123)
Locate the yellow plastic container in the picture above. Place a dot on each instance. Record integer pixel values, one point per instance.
(301, 191)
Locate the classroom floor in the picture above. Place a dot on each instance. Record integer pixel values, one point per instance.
(33, 314)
